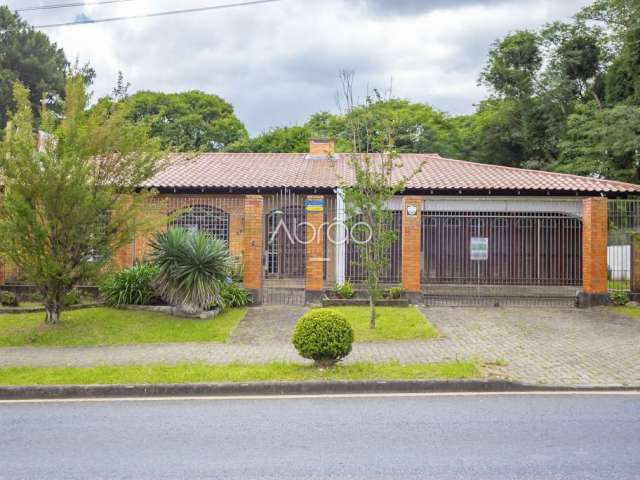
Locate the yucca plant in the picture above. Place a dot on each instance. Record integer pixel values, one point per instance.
(191, 268)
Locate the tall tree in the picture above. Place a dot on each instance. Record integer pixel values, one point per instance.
(376, 179)
(187, 121)
(293, 139)
(71, 201)
(602, 142)
(29, 57)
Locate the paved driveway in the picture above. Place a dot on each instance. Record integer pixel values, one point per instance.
(554, 346)
(548, 346)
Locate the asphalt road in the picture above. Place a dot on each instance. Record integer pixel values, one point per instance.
(443, 437)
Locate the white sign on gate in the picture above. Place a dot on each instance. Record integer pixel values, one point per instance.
(479, 248)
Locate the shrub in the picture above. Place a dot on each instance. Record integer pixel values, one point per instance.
(192, 268)
(236, 270)
(132, 286)
(619, 298)
(234, 295)
(393, 292)
(344, 290)
(8, 299)
(71, 298)
(324, 336)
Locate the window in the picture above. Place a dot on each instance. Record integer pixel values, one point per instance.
(202, 218)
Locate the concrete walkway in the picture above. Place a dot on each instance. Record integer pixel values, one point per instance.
(267, 325)
(546, 346)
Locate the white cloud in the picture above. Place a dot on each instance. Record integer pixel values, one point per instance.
(277, 63)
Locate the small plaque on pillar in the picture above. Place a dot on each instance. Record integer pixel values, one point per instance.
(315, 205)
(412, 210)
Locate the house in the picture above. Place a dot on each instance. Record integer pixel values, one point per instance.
(464, 229)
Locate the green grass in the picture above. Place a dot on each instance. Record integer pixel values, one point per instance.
(392, 323)
(230, 373)
(633, 312)
(110, 326)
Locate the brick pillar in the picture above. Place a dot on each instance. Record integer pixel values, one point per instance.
(314, 255)
(411, 236)
(594, 251)
(253, 249)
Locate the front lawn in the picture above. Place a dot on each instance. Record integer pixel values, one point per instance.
(392, 323)
(633, 312)
(230, 373)
(110, 326)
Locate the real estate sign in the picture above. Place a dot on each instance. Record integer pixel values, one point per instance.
(479, 248)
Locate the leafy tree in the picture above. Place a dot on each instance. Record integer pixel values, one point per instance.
(188, 121)
(617, 15)
(537, 79)
(513, 65)
(487, 136)
(375, 181)
(602, 142)
(622, 81)
(415, 127)
(281, 139)
(29, 57)
(71, 201)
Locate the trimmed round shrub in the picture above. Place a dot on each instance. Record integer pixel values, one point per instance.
(323, 336)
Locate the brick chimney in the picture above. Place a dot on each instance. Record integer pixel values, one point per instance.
(322, 146)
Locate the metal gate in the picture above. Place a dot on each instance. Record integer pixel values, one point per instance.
(284, 256)
(623, 246)
(356, 272)
(496, 257)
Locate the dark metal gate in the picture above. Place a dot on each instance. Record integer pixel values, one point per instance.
(623, 249)
(501, 255)
(284, 248)
(356, 272)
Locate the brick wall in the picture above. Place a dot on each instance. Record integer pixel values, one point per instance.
(411, 236)
(314, 257)
(253, 240)
(162, 209)
(594, 246)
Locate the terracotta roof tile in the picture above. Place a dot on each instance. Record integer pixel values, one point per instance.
(297, 170)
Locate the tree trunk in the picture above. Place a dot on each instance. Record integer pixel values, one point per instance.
(372, 312)
(52, 309)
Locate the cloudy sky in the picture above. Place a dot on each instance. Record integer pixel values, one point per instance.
(277, 63)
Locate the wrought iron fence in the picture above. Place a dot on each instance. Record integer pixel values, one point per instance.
(501, 248)
(623, 246)
(343, 254)
(284, 259)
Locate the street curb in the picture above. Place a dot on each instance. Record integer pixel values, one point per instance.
(290, 388)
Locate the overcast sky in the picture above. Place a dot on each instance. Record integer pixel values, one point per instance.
(277, 63)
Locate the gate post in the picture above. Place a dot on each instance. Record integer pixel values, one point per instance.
(314, 255)
(252, 252)
(411, 236)
(595, 230)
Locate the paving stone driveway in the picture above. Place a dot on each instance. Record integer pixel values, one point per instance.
(542, 345)
(266, 325)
